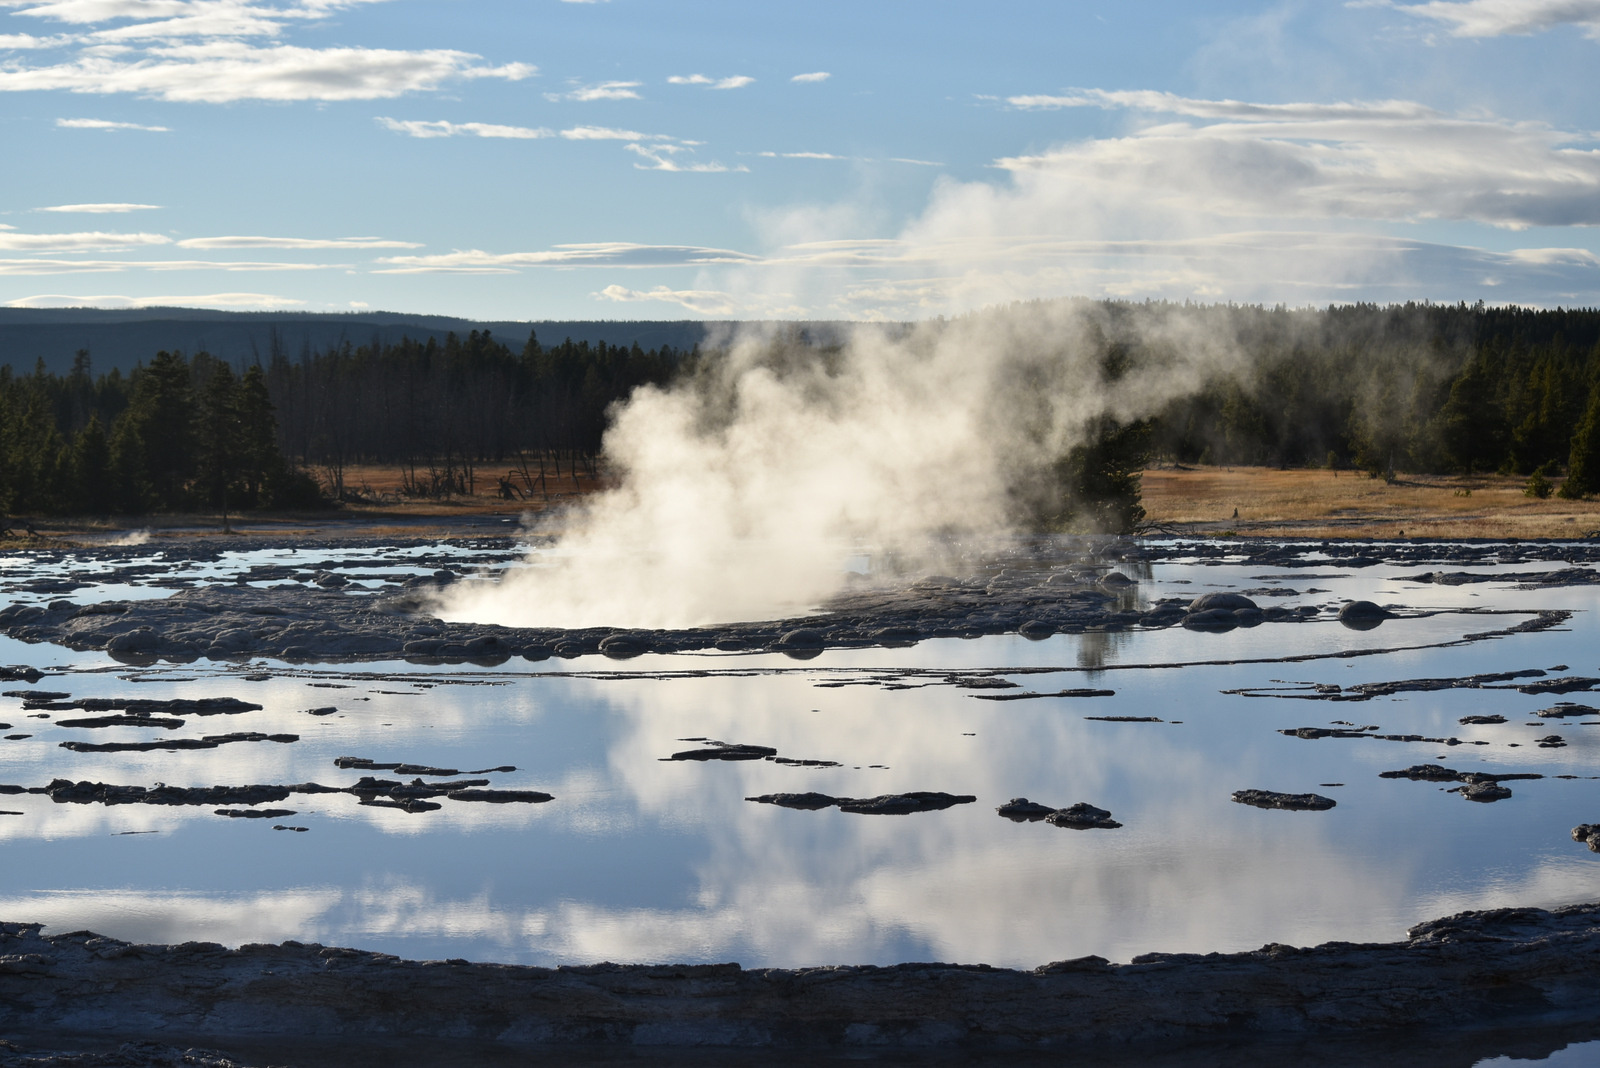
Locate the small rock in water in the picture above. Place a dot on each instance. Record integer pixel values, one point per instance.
(1467, 721)
(1230, 602)
(1483, 791)
(1567, 708)
(1081, 817)
(1589, 834)
(725, 751)
(1287, 802)
(1021, 810)
(1363, 615)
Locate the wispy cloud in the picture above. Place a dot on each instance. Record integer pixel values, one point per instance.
(99, 209)
(1497, 18)
(607, 133)
(24, 42)
(699, 301)
(737, 81)
(221, 71)
(594, 254)
(814, 76)
(88, 241)
(43, 266)
(104, 124)
(1172, 104)
(585, 94)
(294, 242)
(803, 155)
(1390, 160)
(664, 157)
(181, 18)
(440, 128)
(205, 300)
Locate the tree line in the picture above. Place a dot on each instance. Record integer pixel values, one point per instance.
(1414, 387)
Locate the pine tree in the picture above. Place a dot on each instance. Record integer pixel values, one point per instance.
(93, 491)
(259, 460)
(218, 447)
(1583, 463)
(162, 410)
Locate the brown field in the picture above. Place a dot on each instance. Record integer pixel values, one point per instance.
(1243, 501)
(1347, 504)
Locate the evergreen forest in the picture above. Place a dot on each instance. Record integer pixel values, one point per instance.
(1413, 387)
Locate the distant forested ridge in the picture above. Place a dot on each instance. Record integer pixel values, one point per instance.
(1414, 387)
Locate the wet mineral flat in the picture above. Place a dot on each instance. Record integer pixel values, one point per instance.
(402, 805)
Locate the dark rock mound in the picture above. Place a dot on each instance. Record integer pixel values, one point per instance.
(725, 751)
(1287, 802)
(210, 741)
(1036, 630)
(1567, 708)
(65, 791)
(1229, 602)
(809, 801)
(1589, 834)
(502, 797)
(1082, 817)
(899, 804)
(1213, 619)
(122, 721)
(1363, 615)
(1021, 810)
(883, 805)
(1484, 791)
(1467, 721)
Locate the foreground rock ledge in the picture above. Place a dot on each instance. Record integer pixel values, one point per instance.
(1505, 967)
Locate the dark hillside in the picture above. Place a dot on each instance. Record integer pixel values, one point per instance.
(122, 338)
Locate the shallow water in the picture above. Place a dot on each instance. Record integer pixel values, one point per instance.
(644, 859)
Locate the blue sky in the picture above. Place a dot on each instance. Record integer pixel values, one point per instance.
(642, 159)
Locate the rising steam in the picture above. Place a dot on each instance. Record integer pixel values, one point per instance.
(742, 491)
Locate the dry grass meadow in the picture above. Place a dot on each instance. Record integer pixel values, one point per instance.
(1267, 502)
(1258, 502)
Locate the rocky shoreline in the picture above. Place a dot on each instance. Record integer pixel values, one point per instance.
(1503, 967)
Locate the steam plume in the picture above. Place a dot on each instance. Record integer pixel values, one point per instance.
(742, 490)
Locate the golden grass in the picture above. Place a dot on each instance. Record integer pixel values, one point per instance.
(1248, 501)
(1347, 504)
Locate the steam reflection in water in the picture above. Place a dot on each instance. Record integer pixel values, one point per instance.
(639, 858)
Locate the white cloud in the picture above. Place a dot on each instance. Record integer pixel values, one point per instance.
(603, 91)
(86, 266)
(596, 254)
(606, 133)
(293, 242)
(699, 301)
(104, 124)
(209, 300)
(1171, 104)
(88, 12)
(23, 42)
(803, 155)
(425, 129)
(660, 157)
(814, 76)
(738, 81)
(1389, 160)
(100, 209)
(90, 241)
(1496, 18)
(219, 71)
